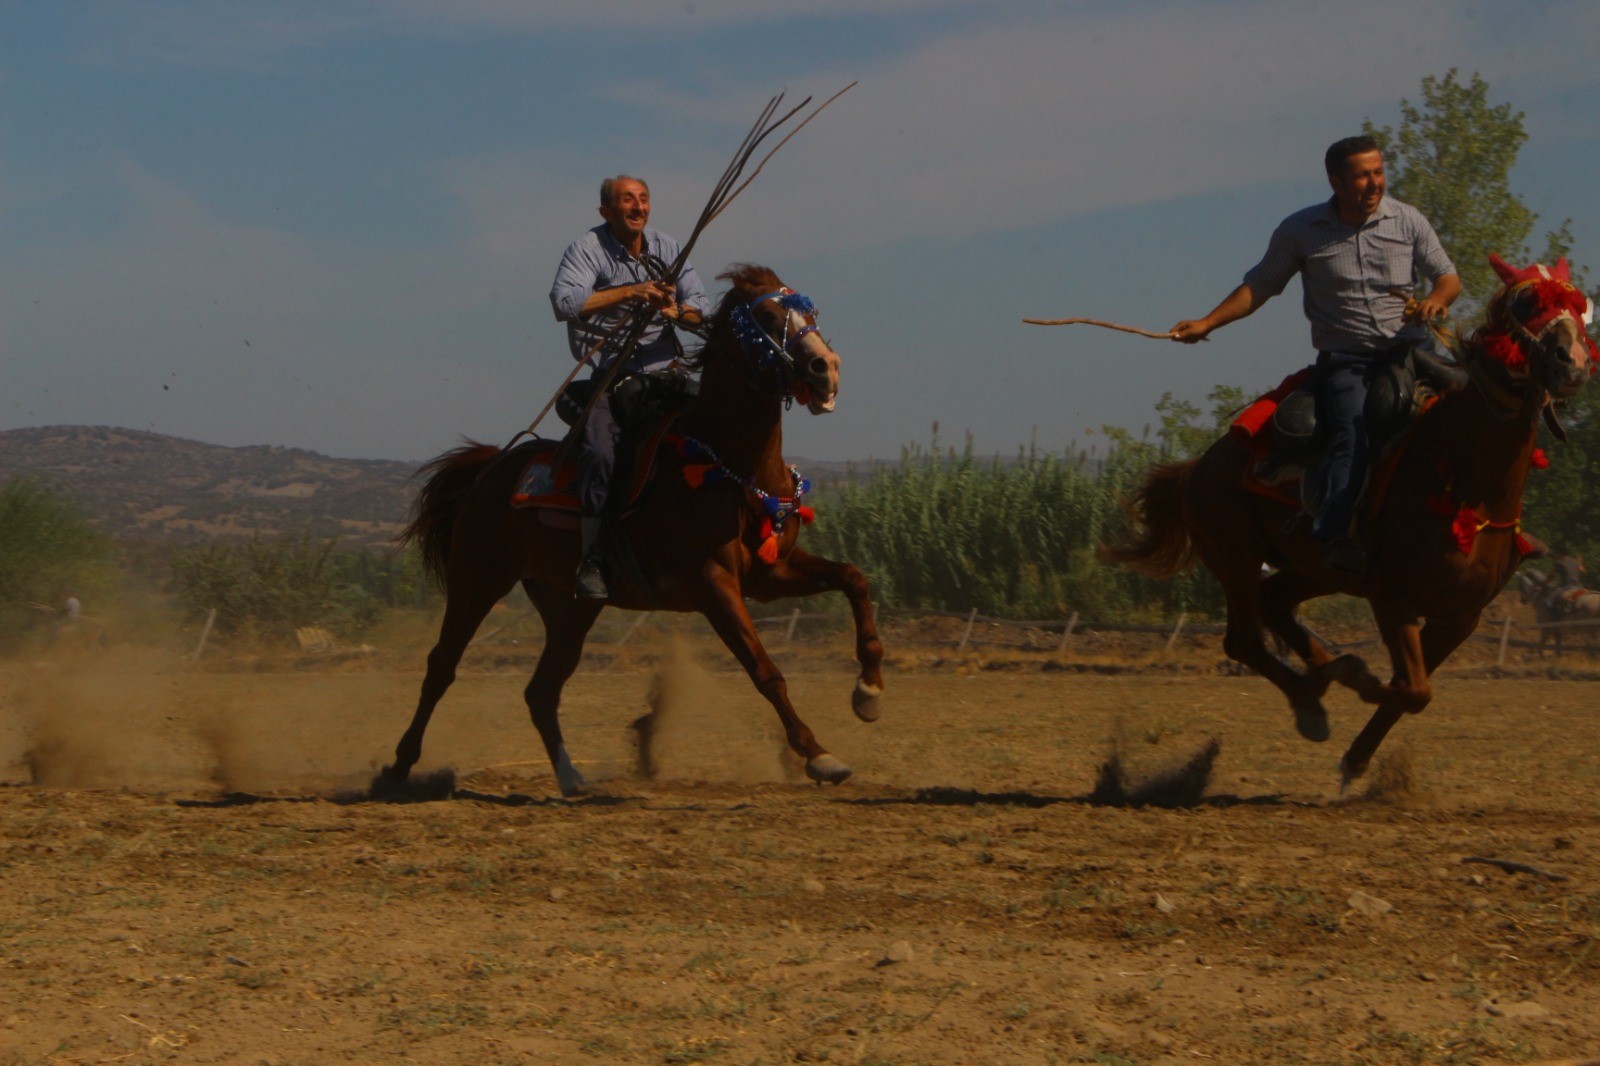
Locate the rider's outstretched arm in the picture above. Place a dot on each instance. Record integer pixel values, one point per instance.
(1238, 304)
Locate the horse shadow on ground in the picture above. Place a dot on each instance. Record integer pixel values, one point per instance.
(1179, 787)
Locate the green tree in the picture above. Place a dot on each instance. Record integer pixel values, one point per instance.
(1451, 158)
(48, 550)
(267, 588)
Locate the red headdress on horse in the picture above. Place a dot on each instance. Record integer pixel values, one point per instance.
(1528, 301)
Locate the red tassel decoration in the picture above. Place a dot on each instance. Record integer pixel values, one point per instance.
(695, 474)
(1465, 528)
(769, 550)
(1541, 461)
(807, 515)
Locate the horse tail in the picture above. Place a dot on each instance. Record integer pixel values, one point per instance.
(1160, 546)
(449, 478)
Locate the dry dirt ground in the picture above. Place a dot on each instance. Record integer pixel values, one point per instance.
(190, 872)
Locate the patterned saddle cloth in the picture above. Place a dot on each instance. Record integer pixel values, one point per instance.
(549, 479)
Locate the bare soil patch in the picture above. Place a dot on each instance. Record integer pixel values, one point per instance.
(190, 873)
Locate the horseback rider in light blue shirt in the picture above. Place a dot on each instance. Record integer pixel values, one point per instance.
(605, 276)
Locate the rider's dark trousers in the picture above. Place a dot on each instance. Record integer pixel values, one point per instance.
(1342, 382)
(599, 458)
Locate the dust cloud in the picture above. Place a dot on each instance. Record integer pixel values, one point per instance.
(706, 728)
(144, 721)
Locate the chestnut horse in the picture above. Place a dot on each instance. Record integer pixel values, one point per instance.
(701, 549)
(1444, 536)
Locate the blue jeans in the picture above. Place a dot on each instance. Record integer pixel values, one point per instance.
(599, 457)
(1342, 382)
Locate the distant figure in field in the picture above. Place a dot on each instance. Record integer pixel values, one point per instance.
(1568, 572)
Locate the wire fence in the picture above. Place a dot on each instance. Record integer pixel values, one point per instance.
(970, 631)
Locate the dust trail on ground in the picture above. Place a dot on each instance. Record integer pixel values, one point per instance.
(251, 752)
(110, 720)
(705, 728)
(1183, 785)
(1393, 780)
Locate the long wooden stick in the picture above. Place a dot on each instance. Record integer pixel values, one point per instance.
(1097, 322)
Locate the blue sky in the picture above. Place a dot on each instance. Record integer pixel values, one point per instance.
(333, 225)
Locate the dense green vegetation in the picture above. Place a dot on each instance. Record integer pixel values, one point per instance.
(267, 587)
(48, 551)
(1017, 538)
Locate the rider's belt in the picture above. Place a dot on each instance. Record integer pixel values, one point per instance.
(1400, 345)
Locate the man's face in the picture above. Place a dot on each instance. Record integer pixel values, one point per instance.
(628, 210)
(1360, 185)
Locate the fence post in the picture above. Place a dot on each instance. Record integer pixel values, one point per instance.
(211, 617)
(1072, 623)
(1182, 616)
(967, 635)
(1505, 639)
(788, 634)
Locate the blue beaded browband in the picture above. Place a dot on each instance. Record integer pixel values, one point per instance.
(772, 360)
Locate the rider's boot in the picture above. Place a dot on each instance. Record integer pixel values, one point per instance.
(591, 580)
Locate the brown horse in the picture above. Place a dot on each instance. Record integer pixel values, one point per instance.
(701, 549)
(1444, 535)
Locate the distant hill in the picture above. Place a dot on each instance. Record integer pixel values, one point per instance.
(149, 486)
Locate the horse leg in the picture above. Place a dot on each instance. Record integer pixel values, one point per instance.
(804, 574)
(1280, 595)
(567, 621)
(464, 610)
(1241, 584)
(1417, 653)
(726, 612)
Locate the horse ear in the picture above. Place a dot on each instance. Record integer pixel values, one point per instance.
(1501, 267)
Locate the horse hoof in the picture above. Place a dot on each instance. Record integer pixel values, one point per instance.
(825, 769)
(864, 701)
(1349, 773)
(1312, 723)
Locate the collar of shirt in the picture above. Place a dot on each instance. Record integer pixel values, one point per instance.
(648, 244)
(1329, 215)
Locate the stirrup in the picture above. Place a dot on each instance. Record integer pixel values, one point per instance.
(591, 580)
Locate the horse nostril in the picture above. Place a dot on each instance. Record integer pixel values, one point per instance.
(819, 367)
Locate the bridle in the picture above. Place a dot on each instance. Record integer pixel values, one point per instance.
(769, 360)
(1507, 341)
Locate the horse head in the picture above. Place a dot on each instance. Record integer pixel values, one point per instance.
(1535, 327)
(779, 345)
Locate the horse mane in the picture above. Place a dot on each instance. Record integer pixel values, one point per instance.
(748, 281)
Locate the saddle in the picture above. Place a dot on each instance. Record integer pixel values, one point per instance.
(647, 405)
(1280, 429)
